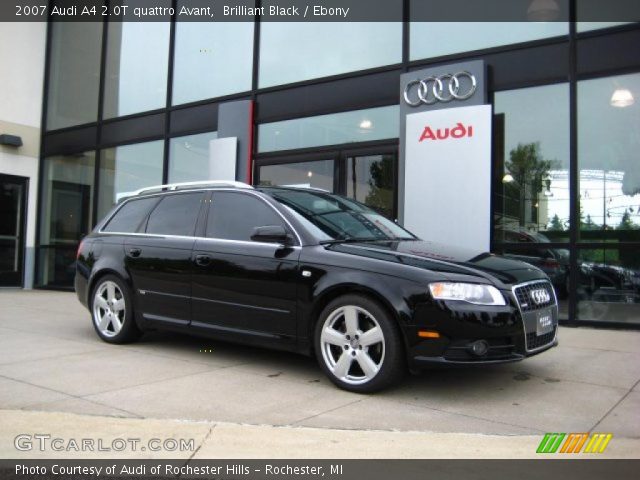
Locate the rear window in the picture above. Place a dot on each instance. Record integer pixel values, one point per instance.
(176, 215)
(129, 217)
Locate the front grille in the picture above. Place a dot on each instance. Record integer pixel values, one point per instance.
(534, 341)
(526, 294)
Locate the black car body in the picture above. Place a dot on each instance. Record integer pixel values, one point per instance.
(307, 260)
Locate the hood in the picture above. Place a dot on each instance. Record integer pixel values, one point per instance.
(444, 258)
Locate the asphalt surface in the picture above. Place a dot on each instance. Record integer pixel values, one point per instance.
(52, 362)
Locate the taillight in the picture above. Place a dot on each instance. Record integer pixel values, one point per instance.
(550, 263)
(79, 249)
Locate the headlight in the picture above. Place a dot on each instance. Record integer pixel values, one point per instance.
(467, 292)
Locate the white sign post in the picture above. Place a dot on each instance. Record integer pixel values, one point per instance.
(222, 158)
(448, 176)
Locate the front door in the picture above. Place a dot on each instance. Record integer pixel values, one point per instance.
(241, 286)
(13, 214)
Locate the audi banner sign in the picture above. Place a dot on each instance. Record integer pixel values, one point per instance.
(447, 187)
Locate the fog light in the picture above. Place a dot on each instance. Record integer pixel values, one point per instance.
(479, 348)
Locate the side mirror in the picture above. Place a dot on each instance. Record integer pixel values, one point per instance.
(271, 234)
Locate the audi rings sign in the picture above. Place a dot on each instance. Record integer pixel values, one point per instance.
(445, 155)
(444, 88)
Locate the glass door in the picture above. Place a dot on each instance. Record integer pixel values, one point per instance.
(320, 173)
(13, 198)
(367, 174)
(371, 179)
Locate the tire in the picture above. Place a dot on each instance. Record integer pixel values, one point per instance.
(358, 345)
(112, 311)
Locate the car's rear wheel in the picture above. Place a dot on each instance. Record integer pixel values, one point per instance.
(358, 345)
(112, 311)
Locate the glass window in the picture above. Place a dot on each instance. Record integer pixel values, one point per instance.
(609, 289)
(339, 218)
(176, 214)
(126, 169)
(74, 73)
(316, 174)
(531, 156)
(608, 145)
(587, 26)
(296, 51)
(66, 199)
(129, 217)
(190, 158)
(554, 262)
(212, 59)
(434, 39)
(333, 129)
(233, 216)
(371, 180)
(136, 69)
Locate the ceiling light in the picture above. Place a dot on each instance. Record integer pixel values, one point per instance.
(508, 178)
(543, 11)
(621, 98)
(309, 174)
(366, 124)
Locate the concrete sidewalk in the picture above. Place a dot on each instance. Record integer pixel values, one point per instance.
(280, 404)
(227, 440)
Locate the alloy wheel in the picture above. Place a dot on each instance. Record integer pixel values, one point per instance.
(109, 309)
(353, 344)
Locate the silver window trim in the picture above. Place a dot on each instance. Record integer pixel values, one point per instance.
(184, 192)
(187, 237)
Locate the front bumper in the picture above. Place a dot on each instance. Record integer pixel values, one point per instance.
(419, 362)
(510, 333)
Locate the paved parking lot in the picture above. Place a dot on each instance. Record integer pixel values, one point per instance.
(52, 361)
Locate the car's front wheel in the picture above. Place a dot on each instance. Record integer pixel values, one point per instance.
(112, 311)
(358, 345)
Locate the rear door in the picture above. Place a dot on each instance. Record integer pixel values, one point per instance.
(241, 286)
(159, 259)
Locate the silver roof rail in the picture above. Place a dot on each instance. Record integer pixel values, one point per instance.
(181, 186)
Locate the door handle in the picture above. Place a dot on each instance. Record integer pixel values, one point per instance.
(134, 252)
(203, 260)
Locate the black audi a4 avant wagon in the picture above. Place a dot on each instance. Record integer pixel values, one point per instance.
(307, 271)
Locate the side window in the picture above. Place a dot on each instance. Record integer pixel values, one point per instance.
(129, 217)
(233, 216)
(176, 214)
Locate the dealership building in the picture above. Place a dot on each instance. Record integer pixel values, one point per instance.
(522, 138)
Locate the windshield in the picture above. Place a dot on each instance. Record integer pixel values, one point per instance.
(334, 218)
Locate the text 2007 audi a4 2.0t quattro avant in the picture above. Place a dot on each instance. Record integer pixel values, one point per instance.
(307, 271)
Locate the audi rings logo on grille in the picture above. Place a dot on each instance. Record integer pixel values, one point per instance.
(540, 296)
(443, 88)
